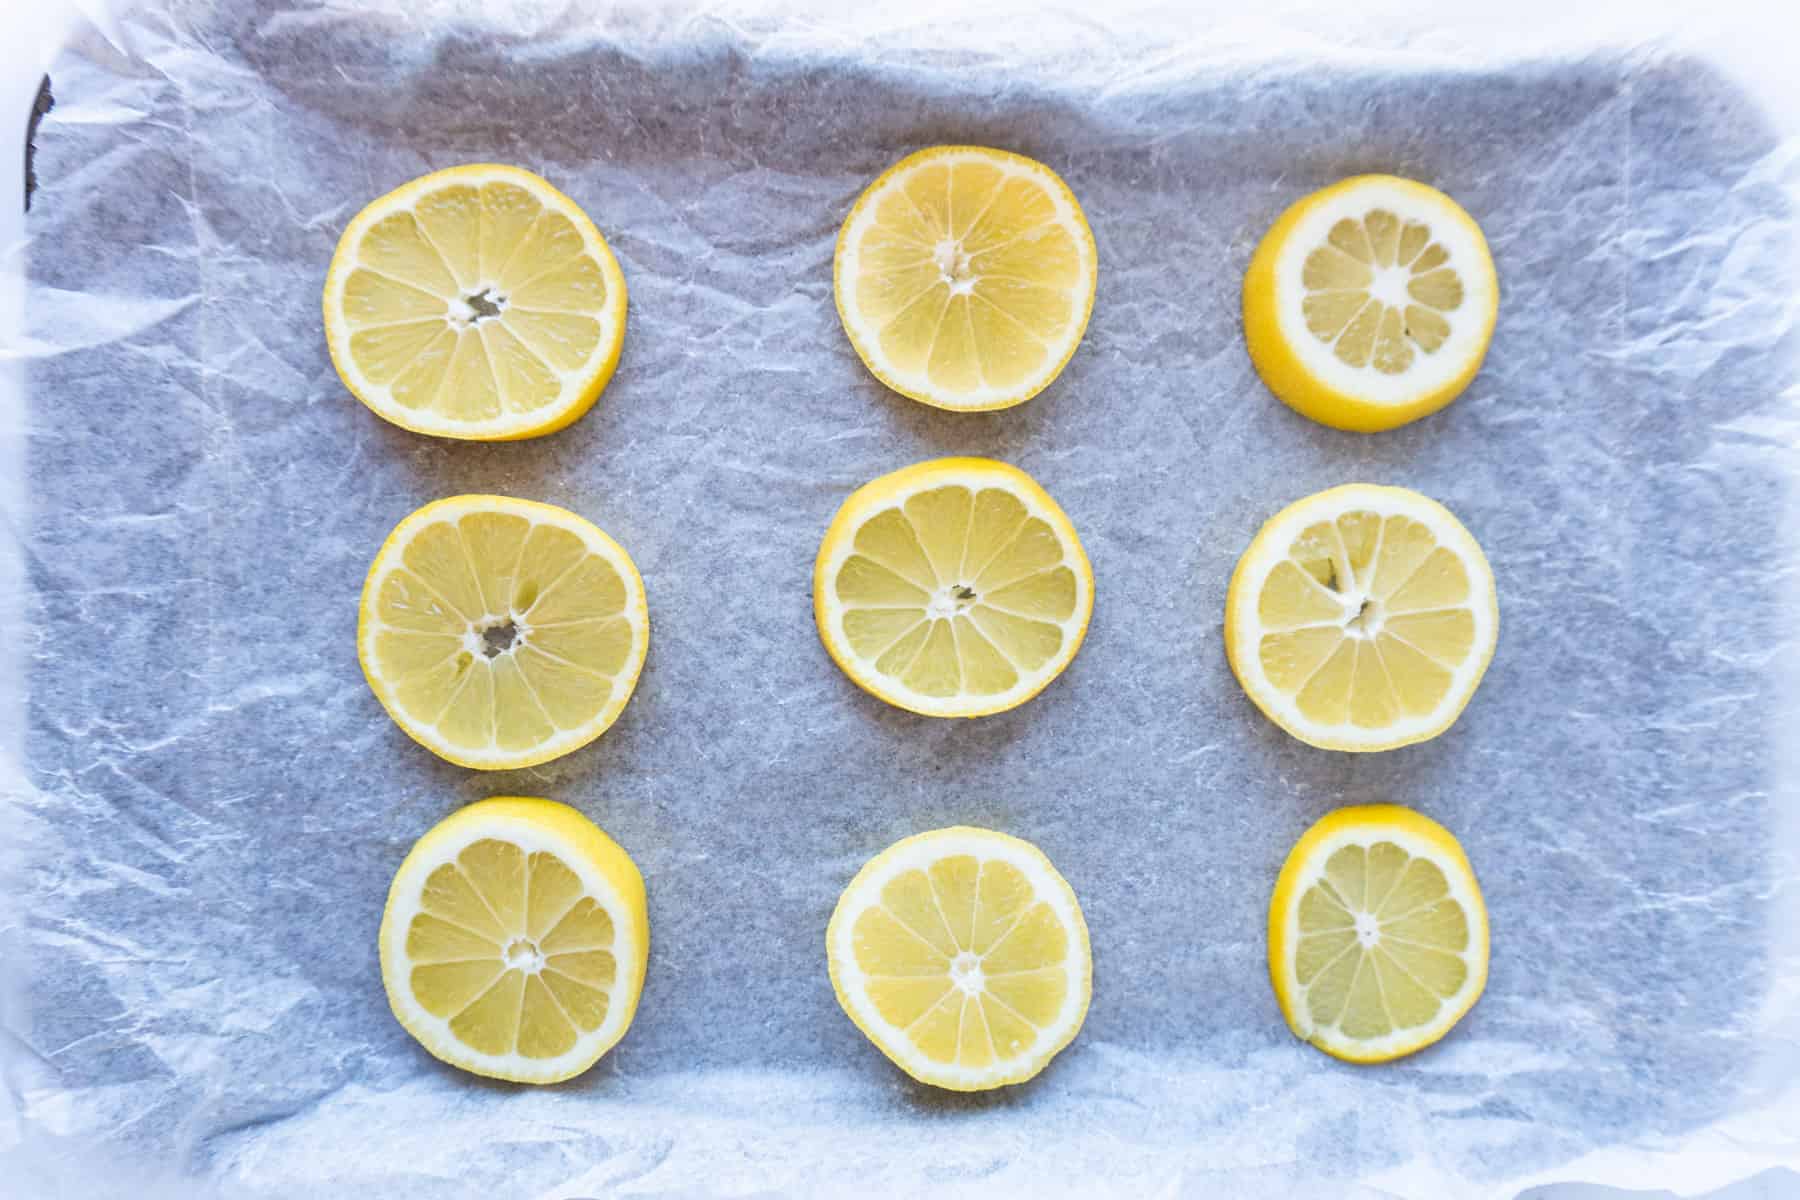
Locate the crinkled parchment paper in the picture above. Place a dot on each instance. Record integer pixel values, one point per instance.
(211, 803)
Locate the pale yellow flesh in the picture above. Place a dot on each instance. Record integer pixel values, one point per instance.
(968, 279)
(1395, 656)
(423, 277)
(510, 949)
(573, 651)
(969, 965)
(1408, 317)
(959, 591)
(1383, 945)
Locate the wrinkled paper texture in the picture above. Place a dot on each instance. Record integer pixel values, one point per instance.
(212, 802)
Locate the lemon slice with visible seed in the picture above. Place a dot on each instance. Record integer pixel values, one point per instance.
(1370, 303)
(477, 302)
(1378, 938)
(514, 941)
(502, 633)
(965, 276)
(963, 956)
(954, 588)
(1362, 618)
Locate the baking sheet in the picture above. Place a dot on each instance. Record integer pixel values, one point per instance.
(212, 803)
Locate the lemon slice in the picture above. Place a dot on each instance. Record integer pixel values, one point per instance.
(963, 956)
(1378, 939)
(502, 633)
(1361, 618)
(965, 276)
(514, 941)
(477, 302)
(954, 588)
(1370, 303)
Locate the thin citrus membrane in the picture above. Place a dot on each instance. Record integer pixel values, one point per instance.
(1361, 618)
(514, 940)
(476, 302)
(1370, 303)
(965, 276)
(502, 633)
(1378, 936)
(953, 588)
(962, 954)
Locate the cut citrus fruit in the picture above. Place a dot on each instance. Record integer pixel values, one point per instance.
(502, 633)
(1370, 303)
(477, 302)
(965, 276)
(963, 956)
(1361, 618)
(954, 588)
(514, 941)
(1378, 939)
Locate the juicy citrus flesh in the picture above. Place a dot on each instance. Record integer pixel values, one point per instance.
(1378, 937)
(1370, 303)
(1362, 618)
(477, 302)
(965, 277)
(501, 632)
(963, 955)
(515, 939)
(956, 587)
(1367, 326)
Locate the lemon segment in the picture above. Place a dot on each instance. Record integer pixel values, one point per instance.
(962, 954)
(954, 588)
(965, 277)
(514, 941)
(1378, 937)
(477, 302)
(1362, 618)
(1370, 303)
(502, 633)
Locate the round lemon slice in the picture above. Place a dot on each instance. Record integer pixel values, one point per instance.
(502, 633)
(1370, 303)
(477, 302)
(1378, 939)
(1361, 618)
(954, 588)
(965, 277)
(514, 941)
(963, 956)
